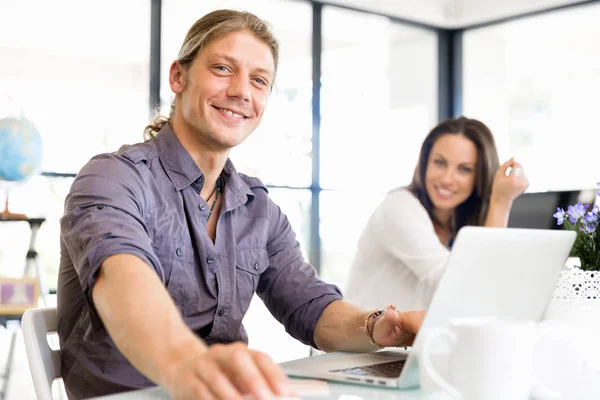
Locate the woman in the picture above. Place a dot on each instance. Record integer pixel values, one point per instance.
(457, 182)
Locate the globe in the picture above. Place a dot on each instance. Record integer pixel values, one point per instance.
(20, 149)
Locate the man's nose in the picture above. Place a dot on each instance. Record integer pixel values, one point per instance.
(240, 88)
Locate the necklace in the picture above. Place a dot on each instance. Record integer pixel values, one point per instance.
(216, 192)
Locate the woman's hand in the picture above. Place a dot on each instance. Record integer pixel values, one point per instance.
(507, 187)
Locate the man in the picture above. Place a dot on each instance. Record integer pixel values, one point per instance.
(163, 244)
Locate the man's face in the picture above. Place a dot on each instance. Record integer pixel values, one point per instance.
(225, 91)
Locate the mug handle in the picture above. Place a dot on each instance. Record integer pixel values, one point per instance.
(546, 329)
(427, 364)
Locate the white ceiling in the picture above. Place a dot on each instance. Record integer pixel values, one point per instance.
(452, 13)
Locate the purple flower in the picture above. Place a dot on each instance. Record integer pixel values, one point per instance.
(588, 228)
(592, 217)
(586, 224)
(560, 216)
(576, 212)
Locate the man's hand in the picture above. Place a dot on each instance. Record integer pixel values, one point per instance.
(395, 329)
(227, 372)
(130, 297)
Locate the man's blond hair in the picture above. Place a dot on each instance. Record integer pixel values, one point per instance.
(211, 27)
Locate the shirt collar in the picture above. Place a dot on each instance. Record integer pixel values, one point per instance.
(235, 181)
(180, 167)
(182, 170)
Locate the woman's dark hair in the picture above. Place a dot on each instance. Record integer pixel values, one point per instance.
(472, 211)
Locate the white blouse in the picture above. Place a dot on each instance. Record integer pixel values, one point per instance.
(399, 259)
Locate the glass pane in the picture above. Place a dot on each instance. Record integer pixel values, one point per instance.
(39, 197)
(343, 218)
(537, 88)
(81, 80)
(295, 204)
(279, 151)
(379, 99)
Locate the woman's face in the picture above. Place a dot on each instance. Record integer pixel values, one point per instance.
(450, 174)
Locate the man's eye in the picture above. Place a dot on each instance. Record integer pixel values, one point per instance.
(261, 81)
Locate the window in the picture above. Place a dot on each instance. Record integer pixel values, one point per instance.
(40, 197)
(535, 83)
(379, 101)
(350, 210)
(77, 81)
(295, 204)
(82, 81)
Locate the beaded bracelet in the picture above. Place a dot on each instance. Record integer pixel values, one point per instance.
(369, 324)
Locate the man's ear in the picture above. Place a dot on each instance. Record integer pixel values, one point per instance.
(177, 77)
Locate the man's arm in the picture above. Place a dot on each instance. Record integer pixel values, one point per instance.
(339, 328)
(313, 311)
(142, 319)
(144, 323)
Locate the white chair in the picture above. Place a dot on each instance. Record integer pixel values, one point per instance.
(44, 363)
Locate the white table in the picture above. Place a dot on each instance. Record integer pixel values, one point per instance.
(321, 390)
(343, 391)
(336, 391)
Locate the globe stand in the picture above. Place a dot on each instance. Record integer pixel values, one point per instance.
(6, 214)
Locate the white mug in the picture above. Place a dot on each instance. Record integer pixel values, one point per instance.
(490, 359)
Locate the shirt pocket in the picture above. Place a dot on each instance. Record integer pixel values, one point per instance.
(179, 270)
(250, 263)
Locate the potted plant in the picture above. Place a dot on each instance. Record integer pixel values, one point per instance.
(576, 297)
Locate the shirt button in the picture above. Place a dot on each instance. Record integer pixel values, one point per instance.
(257, 266)
(100, 206)
(179, 251)
(209, 260)
(221, 312)
(202, 207)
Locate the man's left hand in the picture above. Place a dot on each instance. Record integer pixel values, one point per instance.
(396, 329)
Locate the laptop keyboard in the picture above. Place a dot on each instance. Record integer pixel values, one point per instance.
(389, 369)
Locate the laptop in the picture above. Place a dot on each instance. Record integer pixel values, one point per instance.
(503, 272)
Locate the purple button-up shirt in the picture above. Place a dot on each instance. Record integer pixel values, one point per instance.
(145, 200)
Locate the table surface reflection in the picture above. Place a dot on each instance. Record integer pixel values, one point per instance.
(319, 391)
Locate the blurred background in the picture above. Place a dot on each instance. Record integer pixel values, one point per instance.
(360, 84)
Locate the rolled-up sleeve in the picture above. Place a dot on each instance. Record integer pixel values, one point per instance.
(104, 216)
(290, 287)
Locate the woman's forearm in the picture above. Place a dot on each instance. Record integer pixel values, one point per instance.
(498, 214)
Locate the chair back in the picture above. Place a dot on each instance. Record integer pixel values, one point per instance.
(44, 363)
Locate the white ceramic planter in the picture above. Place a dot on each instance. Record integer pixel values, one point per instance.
(576, 301)
(575, 284)
(576, 297)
